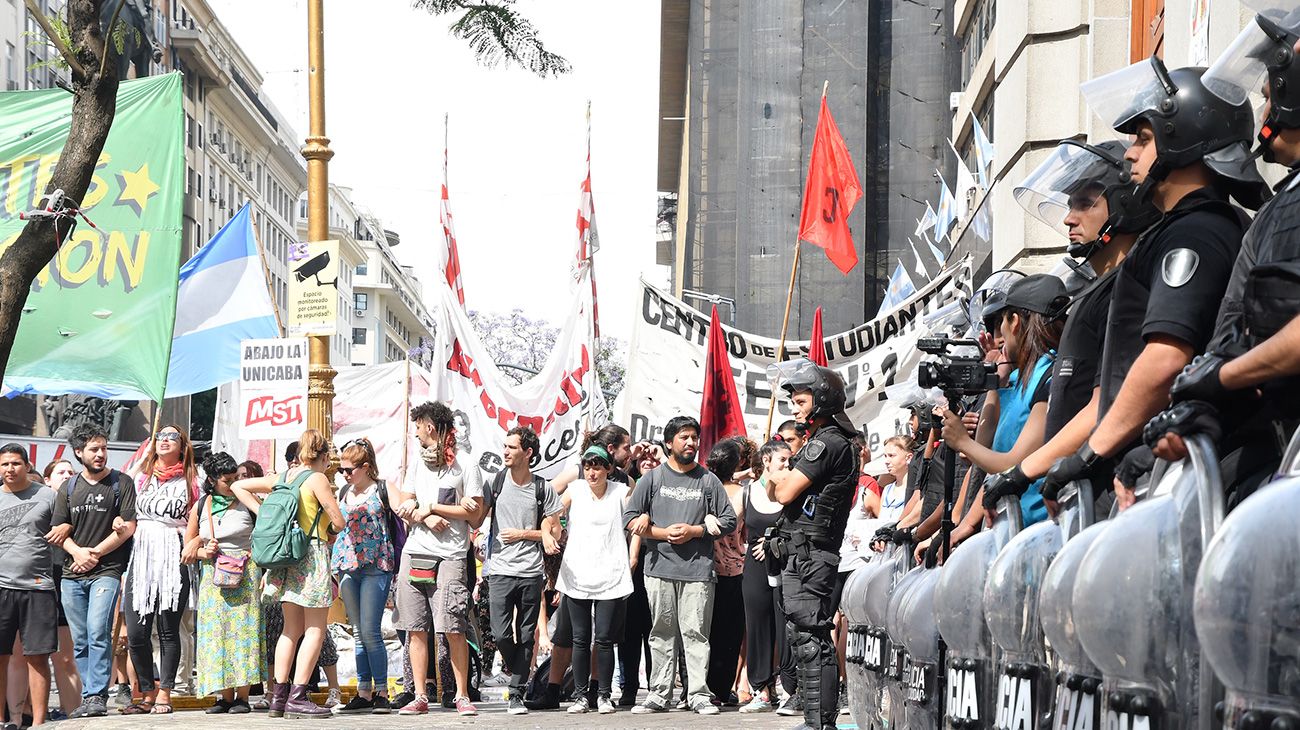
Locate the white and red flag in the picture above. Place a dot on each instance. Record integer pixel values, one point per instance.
(452, 267)
(588, 241)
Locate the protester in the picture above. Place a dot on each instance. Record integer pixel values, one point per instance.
(668, 509)
(727, 627)
(445, 498)
(793, 433)
(765, 635)
(363, 560)
(93, 523)
(524, 521)
(595, 590)
(57, 474)
(303, 590)
(219, 537)
(27, 598)
(645, 456)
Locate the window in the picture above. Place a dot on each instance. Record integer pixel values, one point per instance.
(1146, 29)
(360, 301)
(189, 131)
(976, 38)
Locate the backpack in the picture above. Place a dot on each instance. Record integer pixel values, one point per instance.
(396, 528)
(498, 484)
(113, 474)
(278, 541)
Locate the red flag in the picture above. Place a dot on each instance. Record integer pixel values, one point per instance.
(817, 349)
(720, 414)
(452, 267)
(832, 191)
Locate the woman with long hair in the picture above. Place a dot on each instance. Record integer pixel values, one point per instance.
(727, 631)
(157, 585)
(219, 537)
(305, 590)
(363, 559)
(765, 645)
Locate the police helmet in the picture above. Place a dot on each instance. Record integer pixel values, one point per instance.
(990, 298)
(1189, 123)
(804, 376)
(1263, 49)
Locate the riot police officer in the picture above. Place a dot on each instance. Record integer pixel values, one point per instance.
(816, 492)
(1256, 342)
(1191, 150)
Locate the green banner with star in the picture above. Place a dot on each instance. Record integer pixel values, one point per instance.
(99, 317)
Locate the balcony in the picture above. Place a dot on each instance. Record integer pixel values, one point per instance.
(198, 52)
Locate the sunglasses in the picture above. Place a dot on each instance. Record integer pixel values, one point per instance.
(347, 470)
(167, 436)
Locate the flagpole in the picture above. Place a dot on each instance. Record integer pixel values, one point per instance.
(406, 421)
(266, 272)
(785, 321)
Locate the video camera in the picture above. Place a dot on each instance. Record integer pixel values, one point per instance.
(953, 373)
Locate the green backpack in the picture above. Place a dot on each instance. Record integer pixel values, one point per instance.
(278, 541)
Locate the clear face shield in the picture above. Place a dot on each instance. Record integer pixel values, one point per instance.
(1240, 70)
(1119, 96)
(1071, 178)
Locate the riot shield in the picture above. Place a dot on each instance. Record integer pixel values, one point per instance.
(920, 636)
(855, 645)
(959, 608)
(877, 652)
(896, 675)
(1247, 605)
(1077, 704)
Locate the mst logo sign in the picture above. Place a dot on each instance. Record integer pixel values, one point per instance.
(273, 388)
(269, 410)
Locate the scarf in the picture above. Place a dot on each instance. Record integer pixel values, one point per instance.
(220, 503)
(438, 457)
(165, 473)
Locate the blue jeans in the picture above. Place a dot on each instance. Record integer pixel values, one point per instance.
(364, 593)
(88, 605)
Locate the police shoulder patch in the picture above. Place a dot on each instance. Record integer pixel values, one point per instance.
(813, 450)
(1179, 266)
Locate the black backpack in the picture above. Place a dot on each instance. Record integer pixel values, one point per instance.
(498, 484)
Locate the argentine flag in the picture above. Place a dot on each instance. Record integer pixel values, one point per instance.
(222, 299)
(900, 288)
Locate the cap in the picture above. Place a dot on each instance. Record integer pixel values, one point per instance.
(1041, 293)
(595, 452)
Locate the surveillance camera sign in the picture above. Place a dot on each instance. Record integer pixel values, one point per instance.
(273, 388)
(313, 288)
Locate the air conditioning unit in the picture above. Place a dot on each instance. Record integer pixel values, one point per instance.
(954, 100)
(212, 196)
(249, 175)
(221, 203)
(233, 157)
(216, 139)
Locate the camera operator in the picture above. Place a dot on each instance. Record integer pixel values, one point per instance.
(1187, 157)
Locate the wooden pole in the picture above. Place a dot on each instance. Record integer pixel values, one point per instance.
(785, 324)
(266, 274)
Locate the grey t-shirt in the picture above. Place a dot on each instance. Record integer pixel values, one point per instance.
(670, 497)
(516, 509)
(25, 559)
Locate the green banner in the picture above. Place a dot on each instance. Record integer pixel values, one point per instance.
(99, 317)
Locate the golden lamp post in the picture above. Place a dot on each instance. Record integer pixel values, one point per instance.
(320, 386)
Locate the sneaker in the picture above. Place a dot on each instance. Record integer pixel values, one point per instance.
(220, 707)
(791, 707)
(627, 699)
(682, 704)
(380, 705)
(335, 699)
(123, 697)
(550, 699)
(55, 715)
(650, 706)
(515, 705)
(402, 699)
(92, 706)
(704, 707)
(604, 706)
(465, 708)
(500, 679)
(579, 706)
(358, 705)
(757, 704)
(417, 706)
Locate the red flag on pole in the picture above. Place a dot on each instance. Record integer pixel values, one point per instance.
(588, 241)
(832, 191)
(720, 413)
(816, 349)
(452, 268)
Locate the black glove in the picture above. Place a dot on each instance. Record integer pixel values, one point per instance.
(1010, 483)
(1082, 464)
(902, 537)
(884, 534)
(1186, 418)
(1200, 381)
(931, 557)
(1136, 463)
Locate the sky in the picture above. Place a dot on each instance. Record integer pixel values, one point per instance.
(517, 142)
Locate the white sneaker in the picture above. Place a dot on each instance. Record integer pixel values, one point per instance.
(335, 699)
(604, 706)
(757, 704)
(500, 679)
(704, 707)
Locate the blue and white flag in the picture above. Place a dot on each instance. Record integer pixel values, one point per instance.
(222, 300)
(983, 153)
(946, 215)
(900, 288)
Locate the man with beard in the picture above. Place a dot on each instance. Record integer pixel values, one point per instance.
(668, 510)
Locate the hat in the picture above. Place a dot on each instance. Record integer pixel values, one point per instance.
(595, 452)
(1040, 293)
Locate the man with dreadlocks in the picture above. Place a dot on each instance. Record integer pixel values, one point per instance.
(439, 501)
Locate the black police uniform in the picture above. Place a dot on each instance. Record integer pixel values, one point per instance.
(1171, 283)
(813, 529)
(1074, 373)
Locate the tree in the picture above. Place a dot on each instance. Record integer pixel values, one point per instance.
(515, 340)
(498, 34)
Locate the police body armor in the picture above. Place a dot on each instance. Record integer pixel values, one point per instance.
(1025, 691)
(1133, 601)
(1247, 605)
(959, 600)
(823, 508)
(919, 631)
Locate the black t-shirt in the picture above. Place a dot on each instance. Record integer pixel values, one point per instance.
(1078, 359)
(1171, 283)
(90, 509)
(830, 462)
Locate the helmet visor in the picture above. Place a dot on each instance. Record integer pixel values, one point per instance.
(796, 374)
(1119, 96)
(1072, 177)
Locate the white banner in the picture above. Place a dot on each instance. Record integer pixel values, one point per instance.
(273, 388)
(665, 372)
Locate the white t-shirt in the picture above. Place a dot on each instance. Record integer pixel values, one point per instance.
(595, 565)
(447, 486)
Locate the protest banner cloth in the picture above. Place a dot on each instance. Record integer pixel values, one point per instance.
(99, 317)
(313, 289)
(273, 388)
(666, 361)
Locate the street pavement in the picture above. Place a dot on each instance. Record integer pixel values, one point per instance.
(491, 715)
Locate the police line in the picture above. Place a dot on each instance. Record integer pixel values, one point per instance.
(665, 370)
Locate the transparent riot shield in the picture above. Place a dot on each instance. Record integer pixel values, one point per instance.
(920, 636)
(1133, 601)
(896, 669)
(855, 645)
(959, 609)
(877, 658)
(1077, 704)
(1247, 605)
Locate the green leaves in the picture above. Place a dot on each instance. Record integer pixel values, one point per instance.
(498, 34)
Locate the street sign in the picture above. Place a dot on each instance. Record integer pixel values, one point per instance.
(313, 288)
